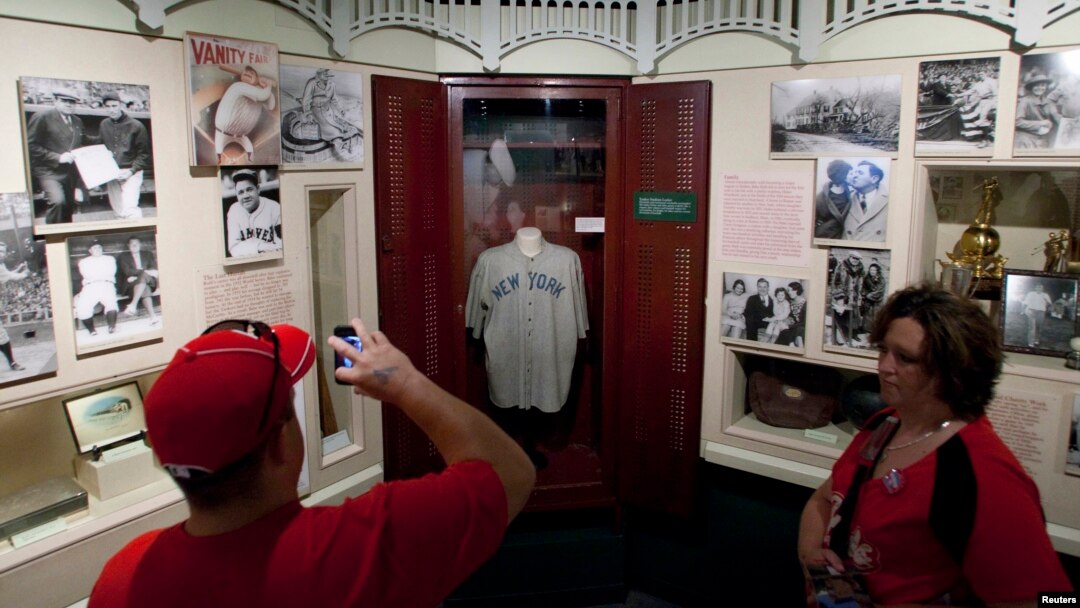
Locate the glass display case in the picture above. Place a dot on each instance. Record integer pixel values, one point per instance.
(526, 161)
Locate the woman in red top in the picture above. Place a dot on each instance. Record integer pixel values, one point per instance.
(942, 512)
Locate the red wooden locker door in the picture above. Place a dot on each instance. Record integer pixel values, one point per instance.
(663, 297)
(412, 218)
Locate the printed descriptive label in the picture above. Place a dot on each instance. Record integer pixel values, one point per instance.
(1058, 599)
(819, 436)
(665, 206)
(45, 530)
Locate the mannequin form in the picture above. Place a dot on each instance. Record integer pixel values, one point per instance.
(529, 241)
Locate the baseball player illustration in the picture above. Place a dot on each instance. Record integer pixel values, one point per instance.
(239, 111)
(98, 272)
(233, 105)
(253, 222)
(530, 311)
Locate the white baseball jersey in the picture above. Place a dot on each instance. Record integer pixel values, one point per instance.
(98, 285)
(253, 233)
(530, 312)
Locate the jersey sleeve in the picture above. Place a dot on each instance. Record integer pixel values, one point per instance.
(581, 309)
(476, 305)
(1009, 556)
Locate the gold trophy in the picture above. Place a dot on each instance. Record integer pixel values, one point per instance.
(978, 245)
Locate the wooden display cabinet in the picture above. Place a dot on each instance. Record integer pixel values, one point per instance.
(580, 148)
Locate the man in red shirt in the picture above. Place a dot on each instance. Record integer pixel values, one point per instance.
(221, 421)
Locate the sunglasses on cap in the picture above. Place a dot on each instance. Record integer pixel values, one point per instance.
(261, 331)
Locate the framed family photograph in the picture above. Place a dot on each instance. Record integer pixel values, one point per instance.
(851, 200)
(1038, 312)
(105, 417)
(958, 102)
(858, 283)
(234, 110)
(27, 336)
(1048, 105)
(836, 117)
(322, 118)
(89, 151)
(115, 289)
(251, 214)
(764, 310)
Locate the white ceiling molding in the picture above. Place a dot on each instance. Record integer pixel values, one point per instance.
(644, 30)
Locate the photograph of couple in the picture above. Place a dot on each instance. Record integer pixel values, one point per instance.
(771, 311)
(852, 199)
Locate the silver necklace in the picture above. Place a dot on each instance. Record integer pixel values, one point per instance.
(922, 437)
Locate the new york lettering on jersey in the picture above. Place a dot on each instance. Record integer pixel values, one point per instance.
(530, 312)
(537, 281)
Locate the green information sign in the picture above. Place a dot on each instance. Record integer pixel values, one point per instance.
(665, 206)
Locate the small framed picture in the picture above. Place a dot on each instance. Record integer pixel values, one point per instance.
(115, 289)
(958, 102)
(764, 310)
(89, 154)
(820, 117)
(1047, 118)
(858, 285)
(1038, 312)
(851, 199)
(105, 417)
(251, 214)
(234, 107)
(322, 118)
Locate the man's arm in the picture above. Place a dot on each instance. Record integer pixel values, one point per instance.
(459, 431)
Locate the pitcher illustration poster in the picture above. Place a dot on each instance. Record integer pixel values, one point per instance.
(233, 101)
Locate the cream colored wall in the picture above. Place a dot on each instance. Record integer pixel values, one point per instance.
(34, 440)
(740, 143)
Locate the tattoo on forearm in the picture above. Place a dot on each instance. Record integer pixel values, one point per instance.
(383, 375)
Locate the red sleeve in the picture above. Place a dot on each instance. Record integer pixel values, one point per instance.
(1009, 556)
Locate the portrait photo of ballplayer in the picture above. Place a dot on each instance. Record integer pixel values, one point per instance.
(234, 101)
(89, 153)
(27, 336)
(251, 214)
(115, 292)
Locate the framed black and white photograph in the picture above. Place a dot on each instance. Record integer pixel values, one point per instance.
(858, 284)
(958, 102)
(322, 118)
(857, 116)
(764, 310)
(1072, 453)
(27, 334)
(105, 417)
(1048, 105)
(251, 214)
(851, 199)
(89, 152)
(1038, 312)
(115, 289)
(234, 106)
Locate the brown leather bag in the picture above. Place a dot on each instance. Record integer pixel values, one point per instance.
(794, 395)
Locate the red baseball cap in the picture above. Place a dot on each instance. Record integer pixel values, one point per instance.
(204, 410)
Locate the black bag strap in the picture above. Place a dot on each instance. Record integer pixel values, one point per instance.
(884, 427)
